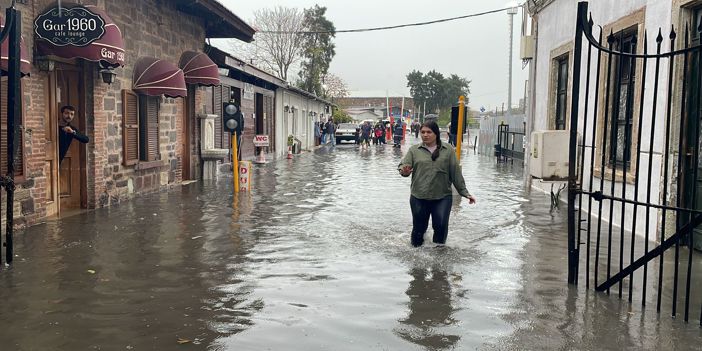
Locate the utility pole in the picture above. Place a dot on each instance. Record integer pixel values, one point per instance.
(511, 12)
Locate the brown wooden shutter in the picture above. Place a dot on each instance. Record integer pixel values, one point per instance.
(217, 107)
(19, 155)
(152, 116)
(148, 128)
(130, 127)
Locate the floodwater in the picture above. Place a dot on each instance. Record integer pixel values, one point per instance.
(317, 257)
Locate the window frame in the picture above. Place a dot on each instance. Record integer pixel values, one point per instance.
(561, 89)
(622, 76)
(145, 125)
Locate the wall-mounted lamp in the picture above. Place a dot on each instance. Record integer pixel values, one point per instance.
(108, 75)
(44, 63)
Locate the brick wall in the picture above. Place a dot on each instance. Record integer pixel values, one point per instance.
(149, 28)
(375, 102)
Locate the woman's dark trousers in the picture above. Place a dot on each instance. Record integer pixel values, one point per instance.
(439, 210)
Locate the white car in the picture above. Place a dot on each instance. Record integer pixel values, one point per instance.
(346, 131)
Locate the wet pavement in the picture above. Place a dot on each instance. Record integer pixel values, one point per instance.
(317, 257)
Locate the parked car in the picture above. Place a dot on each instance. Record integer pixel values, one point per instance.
(346, 131)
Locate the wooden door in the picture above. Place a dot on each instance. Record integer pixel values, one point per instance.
(188, 117)
(68, 91)
(51, 116)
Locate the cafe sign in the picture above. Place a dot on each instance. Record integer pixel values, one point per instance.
(75, 26)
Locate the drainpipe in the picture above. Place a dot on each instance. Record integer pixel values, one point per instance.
(531, 112)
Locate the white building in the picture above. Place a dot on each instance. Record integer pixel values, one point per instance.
(553, 28)
(296, 112)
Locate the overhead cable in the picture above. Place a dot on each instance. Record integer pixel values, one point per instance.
(388, 27)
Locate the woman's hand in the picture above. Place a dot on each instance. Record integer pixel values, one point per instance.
(406, 170)
(471, 199)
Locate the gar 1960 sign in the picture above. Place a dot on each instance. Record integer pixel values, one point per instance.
(72, 26)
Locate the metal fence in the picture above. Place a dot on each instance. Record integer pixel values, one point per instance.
(620, 170)
(11, 33)
(489, 131)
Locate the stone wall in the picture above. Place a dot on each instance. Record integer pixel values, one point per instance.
(149, 28)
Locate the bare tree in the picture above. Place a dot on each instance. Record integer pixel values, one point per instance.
(334, 86)
(278, 43)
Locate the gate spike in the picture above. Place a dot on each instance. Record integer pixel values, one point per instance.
(687, 35)
(645, 49)
(610, 37)
(672, 33)
(590, 22)
(659, 38)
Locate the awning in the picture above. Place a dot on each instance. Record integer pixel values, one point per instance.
(157, 77)
(108, 50)
(198, 68)
(25, 65)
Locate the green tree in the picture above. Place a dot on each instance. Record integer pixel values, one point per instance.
(317, 49)
(438, 92)
(340, 116)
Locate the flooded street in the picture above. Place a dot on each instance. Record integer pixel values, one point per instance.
(317, 257)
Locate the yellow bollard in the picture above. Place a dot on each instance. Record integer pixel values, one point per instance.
(459, 131)
(235, 163)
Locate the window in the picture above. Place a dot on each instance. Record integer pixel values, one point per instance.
(622, 103)
(140, 130)
(148, 128)
(561, 92)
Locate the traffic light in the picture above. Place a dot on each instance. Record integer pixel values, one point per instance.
(454, 119)
(232, 119)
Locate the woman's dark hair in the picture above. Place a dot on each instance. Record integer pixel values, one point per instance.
(435, 129)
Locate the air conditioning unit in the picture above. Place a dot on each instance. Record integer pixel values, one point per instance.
(549, 155)
(526, 47)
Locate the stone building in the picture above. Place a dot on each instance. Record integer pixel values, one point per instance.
(138, 81)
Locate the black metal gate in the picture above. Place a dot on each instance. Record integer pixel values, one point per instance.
(11, 32)
(510, 143)
(633, 179)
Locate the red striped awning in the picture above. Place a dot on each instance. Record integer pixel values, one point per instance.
(158, 77)
(108, 50)
(198, 68)
(25, 64)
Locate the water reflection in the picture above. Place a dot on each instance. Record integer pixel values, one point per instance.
(430, 309)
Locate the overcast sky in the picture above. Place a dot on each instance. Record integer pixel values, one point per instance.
(371, 63)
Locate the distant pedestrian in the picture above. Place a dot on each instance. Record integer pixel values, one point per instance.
(398, 133)
(434, 167)
(317, 133)
(365, 135)
(331, 129)
(323, 126)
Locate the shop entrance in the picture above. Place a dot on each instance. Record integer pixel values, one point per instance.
(67, 191)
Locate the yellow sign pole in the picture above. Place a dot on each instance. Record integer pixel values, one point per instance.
(235, 163)
(459, 131)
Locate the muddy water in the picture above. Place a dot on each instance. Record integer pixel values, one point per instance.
(317, 258)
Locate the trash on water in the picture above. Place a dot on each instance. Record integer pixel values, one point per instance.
(183, 341)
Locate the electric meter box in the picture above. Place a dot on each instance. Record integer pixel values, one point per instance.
(549, 154)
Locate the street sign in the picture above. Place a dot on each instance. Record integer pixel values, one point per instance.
(261, 140)
(244, 176)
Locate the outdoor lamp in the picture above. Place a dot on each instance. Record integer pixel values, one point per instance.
(44, 63)
(108, 75)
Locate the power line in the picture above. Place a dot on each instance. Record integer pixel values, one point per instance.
(389, 27)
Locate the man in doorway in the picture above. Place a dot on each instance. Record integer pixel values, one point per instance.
(67, 132)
